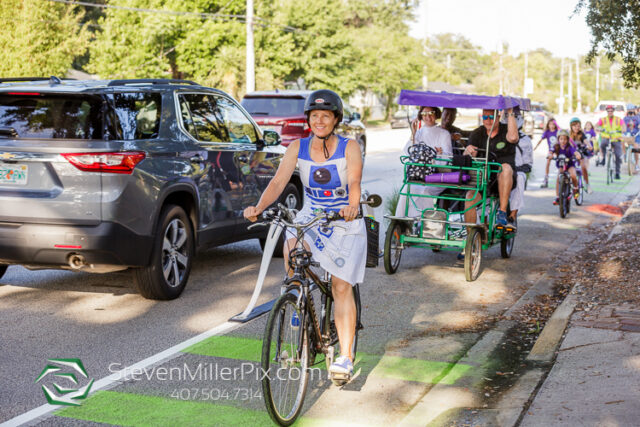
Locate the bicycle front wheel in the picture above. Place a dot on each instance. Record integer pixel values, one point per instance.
(285, 361)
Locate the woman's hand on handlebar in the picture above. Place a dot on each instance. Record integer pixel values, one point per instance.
(251, 213)
(349, 213)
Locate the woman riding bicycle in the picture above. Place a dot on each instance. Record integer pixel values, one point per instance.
(584, 146)
(564, 147)
(331, 170)
(550, 134)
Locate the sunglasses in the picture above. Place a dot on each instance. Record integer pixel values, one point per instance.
(428, 113)
(488, 117)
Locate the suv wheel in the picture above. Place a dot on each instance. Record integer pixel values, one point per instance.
(3, 269)
(173, 248)
(292, 200)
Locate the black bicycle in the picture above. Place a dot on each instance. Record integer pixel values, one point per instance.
(296, 332)
(565, 192)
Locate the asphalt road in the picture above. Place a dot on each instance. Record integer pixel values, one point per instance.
(416, 321)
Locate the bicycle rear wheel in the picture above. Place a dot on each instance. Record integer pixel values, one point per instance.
(580, 197)
(563, 191)
(285, 361)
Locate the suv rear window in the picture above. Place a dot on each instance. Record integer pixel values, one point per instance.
(63, 116)
(275, 106)
(52, 116)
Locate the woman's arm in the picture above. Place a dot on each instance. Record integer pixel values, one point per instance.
(354, 177)
(277, 184)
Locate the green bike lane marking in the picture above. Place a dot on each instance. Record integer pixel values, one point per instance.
(401, 368)
(126, 409)
(139, 409)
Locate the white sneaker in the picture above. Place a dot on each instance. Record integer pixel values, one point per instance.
(341, 366)
(589, 189)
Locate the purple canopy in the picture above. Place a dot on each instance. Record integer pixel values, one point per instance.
(458, 100)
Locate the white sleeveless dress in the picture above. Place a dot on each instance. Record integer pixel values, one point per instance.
(340, 249)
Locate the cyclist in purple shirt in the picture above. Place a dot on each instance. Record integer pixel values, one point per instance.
(569, 150)
(550, 132)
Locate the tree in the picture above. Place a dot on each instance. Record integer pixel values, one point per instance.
(615, 26)
(40, 38)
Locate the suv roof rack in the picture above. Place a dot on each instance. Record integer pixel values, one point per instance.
(52, 79)
(123, 82)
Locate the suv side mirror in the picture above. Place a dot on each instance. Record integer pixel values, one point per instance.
(271, 137)
(356, 116)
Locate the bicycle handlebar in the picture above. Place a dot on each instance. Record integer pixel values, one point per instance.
(284, 215)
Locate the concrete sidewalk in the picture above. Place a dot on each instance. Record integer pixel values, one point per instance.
(595, 380)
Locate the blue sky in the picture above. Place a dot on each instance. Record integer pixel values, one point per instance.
(525, 25)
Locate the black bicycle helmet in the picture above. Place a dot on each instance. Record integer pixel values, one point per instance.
(324, 99)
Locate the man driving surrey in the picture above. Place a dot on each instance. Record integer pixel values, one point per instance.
(502, 149)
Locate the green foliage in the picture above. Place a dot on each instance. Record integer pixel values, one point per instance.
(615, 26)
(320, 42)
(39, 38)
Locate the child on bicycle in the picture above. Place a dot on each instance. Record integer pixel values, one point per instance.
(550, 134)
(569, 150)
(584, 147)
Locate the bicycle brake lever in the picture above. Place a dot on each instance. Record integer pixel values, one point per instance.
(257, 224)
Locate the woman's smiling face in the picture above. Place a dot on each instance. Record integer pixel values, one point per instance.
(322, 122)
(429, 116)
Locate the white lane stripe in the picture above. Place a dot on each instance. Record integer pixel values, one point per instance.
(120, 376)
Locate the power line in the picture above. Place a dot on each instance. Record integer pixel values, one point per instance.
(202, 15)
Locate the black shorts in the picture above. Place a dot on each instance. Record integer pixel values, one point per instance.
(493, 181)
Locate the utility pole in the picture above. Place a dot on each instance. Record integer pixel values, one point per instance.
(578, 97)
(561, 103)
(251, 60)
(570, 91)
(597, 79)
(526, 73)
(501, 90)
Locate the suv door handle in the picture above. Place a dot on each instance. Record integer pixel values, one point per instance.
(197, 159)
(243, 159)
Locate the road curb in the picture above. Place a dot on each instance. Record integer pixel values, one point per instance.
(512, 405)
(633, 210)
(545, 346)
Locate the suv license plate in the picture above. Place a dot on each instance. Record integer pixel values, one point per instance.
(13, 174)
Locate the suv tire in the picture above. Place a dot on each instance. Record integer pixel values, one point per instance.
(3, 269)
(290, 198)
(173, 250)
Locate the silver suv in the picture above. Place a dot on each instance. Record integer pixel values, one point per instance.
(101, 176)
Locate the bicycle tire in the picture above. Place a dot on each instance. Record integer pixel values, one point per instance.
(473, 255)
(392, 254)
(563, 199)
(580, 199)
(272, 352)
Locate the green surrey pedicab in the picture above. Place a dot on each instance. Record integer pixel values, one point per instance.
(442, 226)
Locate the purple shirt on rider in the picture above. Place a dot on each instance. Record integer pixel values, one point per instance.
(551, 138)
(569, 150)
(632, 124)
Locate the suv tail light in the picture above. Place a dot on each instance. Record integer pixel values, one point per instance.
(118, 162)
(295, 127)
